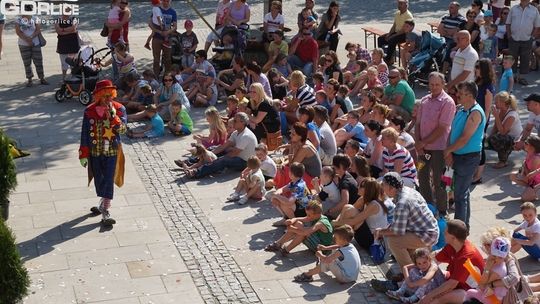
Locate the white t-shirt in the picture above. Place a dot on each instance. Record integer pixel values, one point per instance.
(535, 121)
(464, 60)
(350, 264)
(221, 11)
(334, 196)
(534, 228)
(27, 26)
(516, 128)
(114, 14)
(156, 13)
(328, 140)
(378, 220)
(273, 24)
(245, 141)
(497, 3)
(268, 167)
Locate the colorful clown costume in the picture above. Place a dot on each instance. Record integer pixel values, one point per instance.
(101, 149)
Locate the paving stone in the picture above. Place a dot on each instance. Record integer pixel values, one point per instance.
(108, 256)
(142, 237)
(141, 269)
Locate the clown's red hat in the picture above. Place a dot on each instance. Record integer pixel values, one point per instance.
(103, 84)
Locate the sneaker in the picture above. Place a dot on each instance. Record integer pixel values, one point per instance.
(234, 196)
(243, 200)
(383, 286)
(179, 163)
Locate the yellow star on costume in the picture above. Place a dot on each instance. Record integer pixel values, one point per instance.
(108, 133)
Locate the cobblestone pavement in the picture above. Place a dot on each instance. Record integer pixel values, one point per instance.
(217, 276)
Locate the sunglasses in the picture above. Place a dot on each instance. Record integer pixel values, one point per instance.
(167, 79)
(504, 14)
(328, 60)
(471, 15)
(392, 77)
(124, 3)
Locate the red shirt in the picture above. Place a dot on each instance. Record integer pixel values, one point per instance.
(456, 260)
(308, 50)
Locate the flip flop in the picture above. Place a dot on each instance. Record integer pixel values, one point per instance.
(303, 278)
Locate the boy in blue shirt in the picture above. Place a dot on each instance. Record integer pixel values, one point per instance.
(156, 127)
(506, 82)
(352, 130)
(292, 199)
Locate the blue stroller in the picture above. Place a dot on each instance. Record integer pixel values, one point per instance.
(429, 59)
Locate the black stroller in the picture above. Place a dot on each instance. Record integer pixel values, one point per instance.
(238, 35)
(429, 59)
(85, 71)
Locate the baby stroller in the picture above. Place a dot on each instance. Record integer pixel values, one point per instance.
(176, 48)
(85, 70)
(237, 36)
(429, 59)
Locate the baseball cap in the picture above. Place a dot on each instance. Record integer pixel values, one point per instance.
(201, 71)
(500, 247)
(188, 23)
(393, 179)
(533, 97)
(488, 13)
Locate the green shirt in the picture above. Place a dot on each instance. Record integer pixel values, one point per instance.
(184, 119)
(404, 89)
(326, 238)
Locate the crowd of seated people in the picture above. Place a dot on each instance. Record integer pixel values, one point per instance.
(352, 152)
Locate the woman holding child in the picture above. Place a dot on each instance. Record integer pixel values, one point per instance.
(264, 118)
(301, 151)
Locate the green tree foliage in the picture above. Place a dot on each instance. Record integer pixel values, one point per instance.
(14, 279)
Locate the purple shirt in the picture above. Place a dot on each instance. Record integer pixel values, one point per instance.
(432, 112)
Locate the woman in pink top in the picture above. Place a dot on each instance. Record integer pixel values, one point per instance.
(530, 174)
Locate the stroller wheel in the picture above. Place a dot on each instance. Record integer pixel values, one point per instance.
(85, 97)
(60, 95)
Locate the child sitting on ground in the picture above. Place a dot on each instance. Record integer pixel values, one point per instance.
(529, 177)
(150, 77)
(156, 127)
(180, 123)
(420, 278)
(241, 93)
(282, 65)
(344, 261)
(327, 191)
(268, 166)
(218, 130)
(322, 99)
(343, 93)
(530, 240)
(318, 81)
(291, 200)
(203, 156)
(232, 108)
(494, 270)
(313, 229)
(251, 183)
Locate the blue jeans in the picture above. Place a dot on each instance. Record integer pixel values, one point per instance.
(532, 250)
(235, 163)
(464, 167)
(103, 169)
(297, 64)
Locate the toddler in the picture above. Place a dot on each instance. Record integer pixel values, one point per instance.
(307, 21)
(506, 83)
(188, 42)
(232, 108)
(327, 191)
(291, 200)
(494, 270)
(420, 278)
(114, 17)
(180, 123)
(343, 93)
(241, 93)
(530, 242)
(282, 65)
(156, 128)
(268, 166)
(203, 156)
(157, 20)
(489, 46)
(344, 261)
(251, 183)
(313, 229)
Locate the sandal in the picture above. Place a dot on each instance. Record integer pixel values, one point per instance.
(500, 165)
(303, 278)
(523, 82)
(283, 251)
(274, 247)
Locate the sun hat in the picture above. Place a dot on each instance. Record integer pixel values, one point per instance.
(500, 247)
(102, 85)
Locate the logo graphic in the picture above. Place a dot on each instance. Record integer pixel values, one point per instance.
(39, 8)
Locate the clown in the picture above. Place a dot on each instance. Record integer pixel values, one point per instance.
(101, 150)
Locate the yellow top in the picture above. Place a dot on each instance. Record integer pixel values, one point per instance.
(399, 19)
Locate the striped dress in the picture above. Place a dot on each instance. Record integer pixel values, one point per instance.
(306, 96)
(408, 171)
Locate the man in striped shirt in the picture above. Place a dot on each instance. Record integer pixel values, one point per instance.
(448, 26)
(301, 95)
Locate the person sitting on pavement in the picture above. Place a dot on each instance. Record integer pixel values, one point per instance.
(292, 199)
(414, 225)
(312, 229)
(326, 191)
(268, 166)
(230, 79)
(240, 145)
(203, 156)
(156, 127)
(346, 183)
(399, 95)
(529, 240)
(344, 261)
(529, 177)
(180, 123)
(413, 41)
(328, 147)
(251, 184)
(457, 250)
(204, 91)
(396, 35)
(533, 106)
(218, 130)
(352, 130)
(398, 159)
(304, 53)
